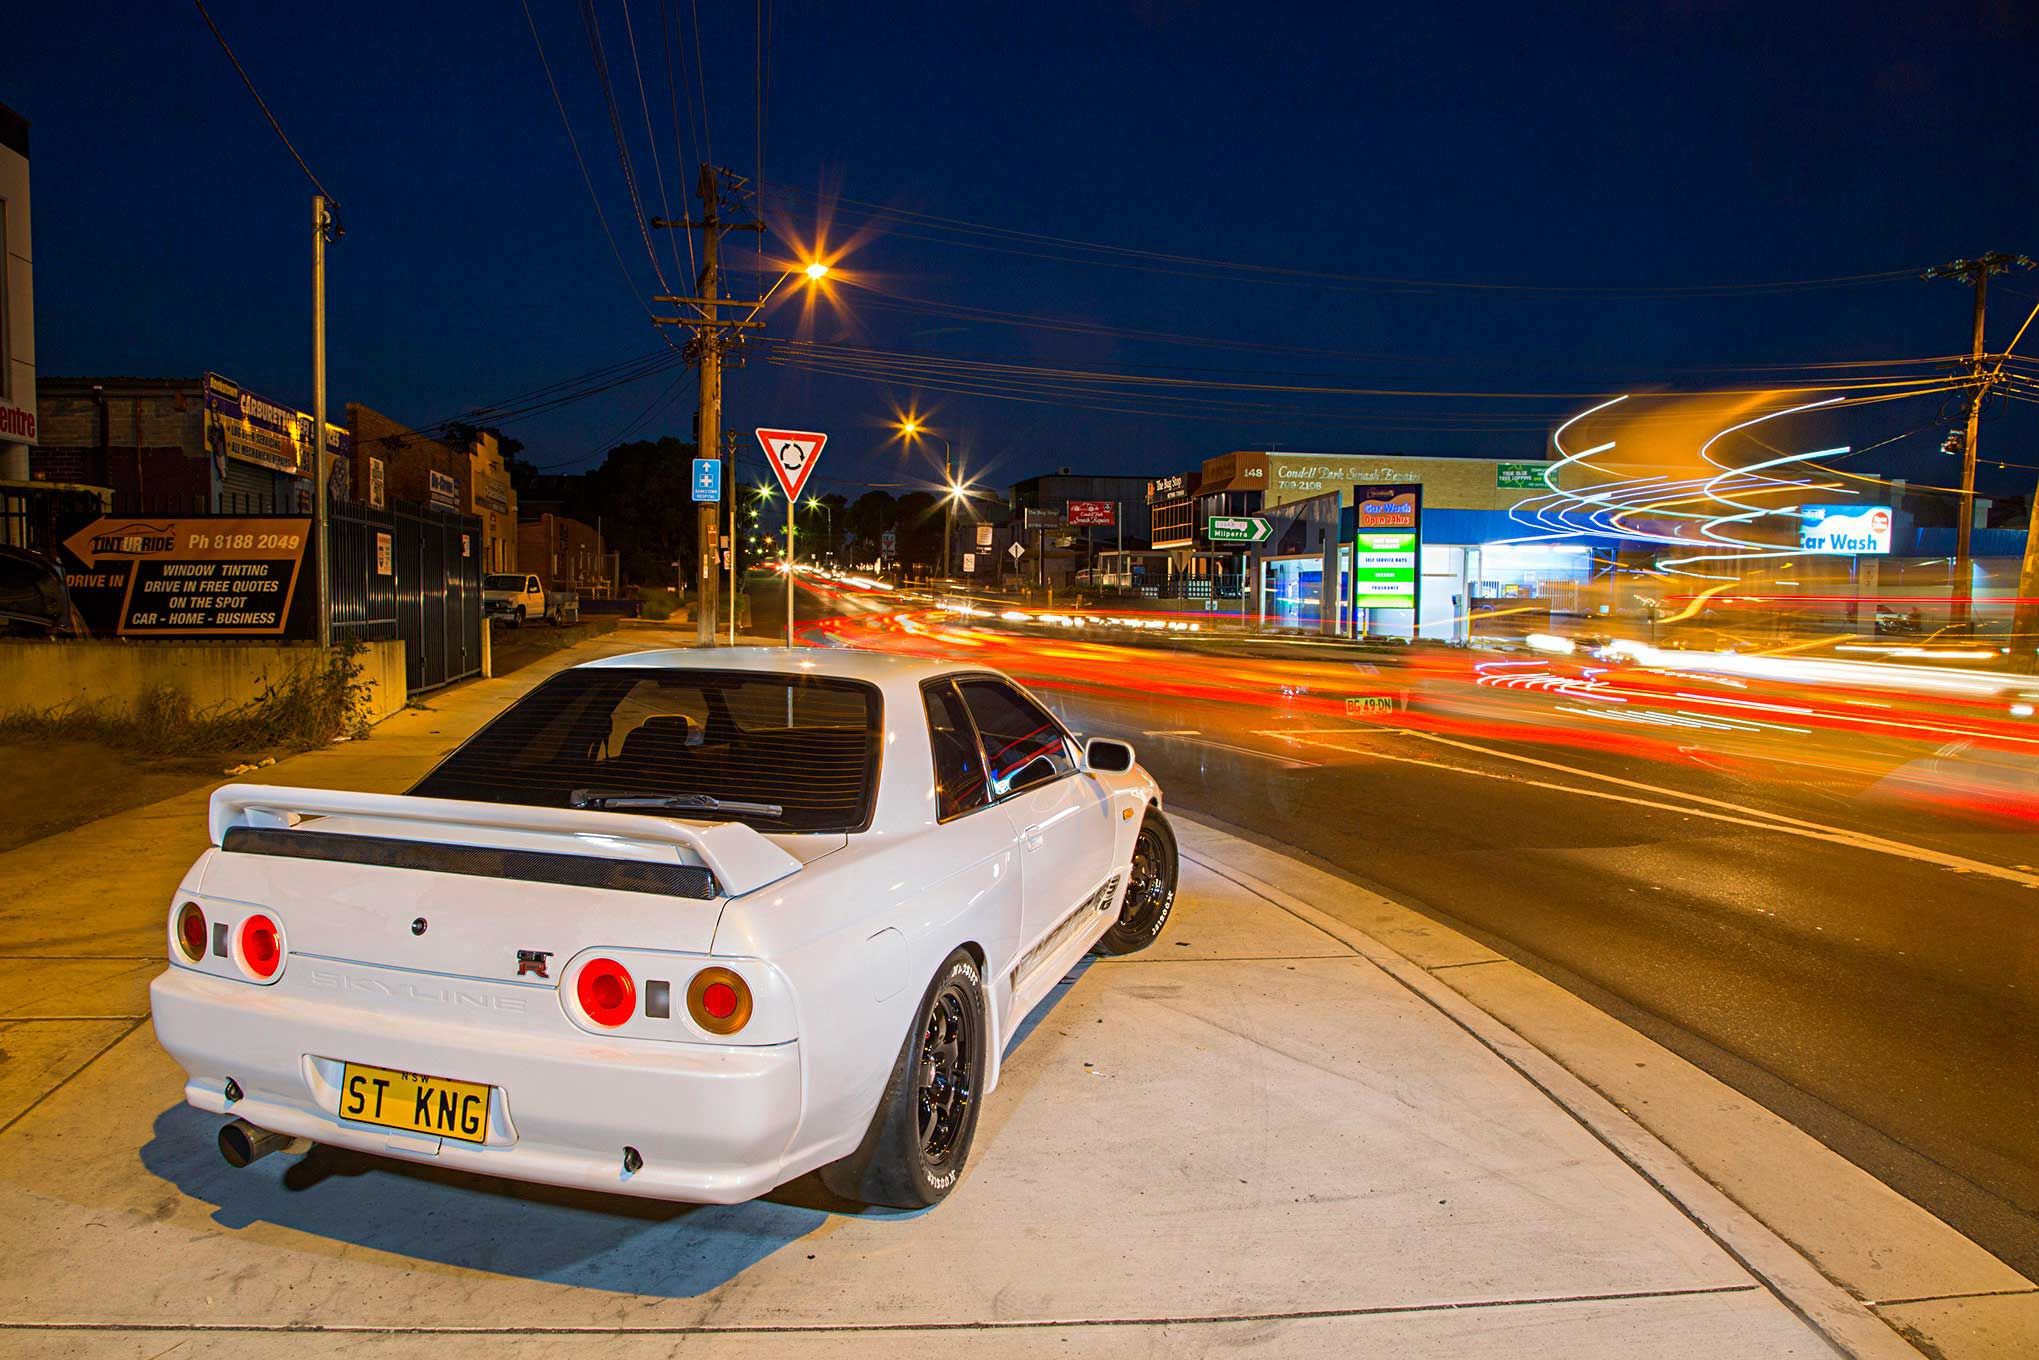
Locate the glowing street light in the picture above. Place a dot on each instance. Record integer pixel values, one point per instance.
(816, 271)
(910, 429)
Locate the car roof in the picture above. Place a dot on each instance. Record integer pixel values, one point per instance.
(843, 662)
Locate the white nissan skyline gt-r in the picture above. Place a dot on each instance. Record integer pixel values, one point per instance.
(684, 925)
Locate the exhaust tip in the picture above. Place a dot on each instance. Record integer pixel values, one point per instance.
(242, 1143)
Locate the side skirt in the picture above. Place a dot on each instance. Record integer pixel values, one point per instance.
(1042, 966)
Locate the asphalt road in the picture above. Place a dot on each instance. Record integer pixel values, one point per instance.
(1803, 914)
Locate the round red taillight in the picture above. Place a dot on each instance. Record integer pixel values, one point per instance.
(191, 931)
(607, 994)
(718, 1000)
(261, 946)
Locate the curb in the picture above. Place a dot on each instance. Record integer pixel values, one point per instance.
(1845, 1322)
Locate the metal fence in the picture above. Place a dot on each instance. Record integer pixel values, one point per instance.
(430, 595)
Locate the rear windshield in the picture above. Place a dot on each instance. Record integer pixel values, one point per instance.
(512, 583)
(789, 752)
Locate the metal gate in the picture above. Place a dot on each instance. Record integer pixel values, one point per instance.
(430, 597)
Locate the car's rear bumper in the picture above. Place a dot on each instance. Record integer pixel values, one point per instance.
(712, 1124)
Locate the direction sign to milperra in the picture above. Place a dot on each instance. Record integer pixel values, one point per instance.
(1238, 529)
(792, 454)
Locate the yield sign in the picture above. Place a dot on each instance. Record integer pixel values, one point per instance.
(792, 454)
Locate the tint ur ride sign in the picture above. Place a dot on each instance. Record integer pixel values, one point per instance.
(188, 576)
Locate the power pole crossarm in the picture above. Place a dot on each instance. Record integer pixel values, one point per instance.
(1976, 272)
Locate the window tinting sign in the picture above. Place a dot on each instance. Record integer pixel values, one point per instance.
(188, 577)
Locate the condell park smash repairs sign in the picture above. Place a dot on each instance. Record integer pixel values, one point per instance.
(187, 577)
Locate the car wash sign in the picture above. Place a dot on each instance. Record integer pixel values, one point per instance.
(1387, 538)
(188, 576)
(1850, 529)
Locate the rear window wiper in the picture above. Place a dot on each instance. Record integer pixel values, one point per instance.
(706, 802)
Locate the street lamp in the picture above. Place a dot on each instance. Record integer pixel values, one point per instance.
(910, 429)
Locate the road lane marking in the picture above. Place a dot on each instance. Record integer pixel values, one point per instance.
(1736, 814)
(1286, 762)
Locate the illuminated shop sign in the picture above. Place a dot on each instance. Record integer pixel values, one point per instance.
(1844, 528)
(1387, 543)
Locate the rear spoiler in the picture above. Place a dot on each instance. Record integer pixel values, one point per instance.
(739, 856)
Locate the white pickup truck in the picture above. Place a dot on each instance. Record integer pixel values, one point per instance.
(512, 598)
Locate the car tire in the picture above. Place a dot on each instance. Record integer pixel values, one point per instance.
(517, 618)
(1150, 889)
(913, 1153)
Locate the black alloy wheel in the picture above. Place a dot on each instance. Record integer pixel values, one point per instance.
(948, 1076)
(1150, 889)
(913, 1153)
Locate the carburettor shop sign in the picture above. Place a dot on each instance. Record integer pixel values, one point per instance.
(241, 425)
(193, 576)
(1387, 544)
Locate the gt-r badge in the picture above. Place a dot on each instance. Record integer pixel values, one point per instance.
(532, 961)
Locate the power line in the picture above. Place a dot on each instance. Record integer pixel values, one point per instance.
(586, 178)
(701, 85)
(594, 28)
(1130, 255)
(331, 203)
(644, 102)
(676, 77)
(764, 35)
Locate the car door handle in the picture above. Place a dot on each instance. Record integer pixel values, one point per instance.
(1031, 837)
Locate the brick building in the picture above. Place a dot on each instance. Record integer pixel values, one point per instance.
(179, 445)
(566, 552)
(395, 462)
(17, 321)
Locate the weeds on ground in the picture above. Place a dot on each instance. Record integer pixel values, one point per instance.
(657, 602)
(310, 708)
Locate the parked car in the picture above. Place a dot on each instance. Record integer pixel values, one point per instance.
(683, 925)
(34, 601)
(513, 598)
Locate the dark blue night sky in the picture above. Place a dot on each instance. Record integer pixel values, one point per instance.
(1628, 155)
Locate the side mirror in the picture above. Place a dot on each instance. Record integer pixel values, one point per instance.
(1101, 755)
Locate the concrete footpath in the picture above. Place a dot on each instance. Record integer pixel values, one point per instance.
(1279, 1132)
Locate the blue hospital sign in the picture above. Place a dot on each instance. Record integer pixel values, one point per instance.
(707, 479)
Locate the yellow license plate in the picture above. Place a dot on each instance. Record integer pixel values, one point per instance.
(414, 1103)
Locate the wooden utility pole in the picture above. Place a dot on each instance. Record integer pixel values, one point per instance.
(322, 226)
(708, 437)
(1976, 272)
(705, 349)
